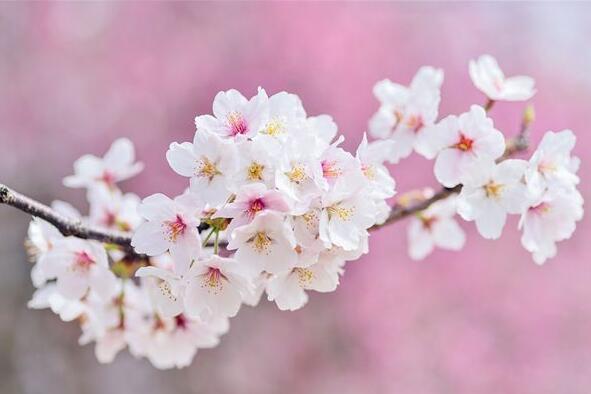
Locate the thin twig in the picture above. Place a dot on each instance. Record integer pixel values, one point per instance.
(66, 226)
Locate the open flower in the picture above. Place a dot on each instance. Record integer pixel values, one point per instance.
(550, 219)
(372, 157)
(551, 165)
(170, 225)
(78, 266)
(266, 244)
(216, 287)
(491, 191)
(250, 201)
(460, 141)
(114, 210)
(288, 290)
(234, 116)
(488, 77)
(256, 163)
(209, 161)
(406, 111)
(435, 227)
(117, 165)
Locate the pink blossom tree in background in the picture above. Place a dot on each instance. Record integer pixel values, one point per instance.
(275, 206)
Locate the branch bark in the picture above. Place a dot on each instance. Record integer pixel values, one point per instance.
(76, 228)
(66, 226)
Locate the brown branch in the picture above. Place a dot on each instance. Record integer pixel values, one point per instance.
(66, 226)
(76, 228)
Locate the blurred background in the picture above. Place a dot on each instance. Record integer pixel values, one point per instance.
(75, 76)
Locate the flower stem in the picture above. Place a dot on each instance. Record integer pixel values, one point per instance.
(206, 240)
(216, 243)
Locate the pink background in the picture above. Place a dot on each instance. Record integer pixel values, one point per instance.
(73, 77)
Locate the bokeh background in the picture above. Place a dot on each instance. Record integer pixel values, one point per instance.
(75, 76)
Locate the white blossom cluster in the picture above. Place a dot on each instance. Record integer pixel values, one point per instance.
(268, 181)
(276, 206)
(468, 151)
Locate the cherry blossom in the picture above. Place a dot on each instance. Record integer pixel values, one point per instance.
(250, 201)
(406, 111)
(488, 77)
(234, 116)
(170, 225)
(209, 161)
(79, 265)
(551, 165)
(276, 205)
(266, 244)
(458, 142)
(550, 219)
(288, 290)
(216, 287)
(435, 227)
(117, 165)
(113, 209)
(490, 192)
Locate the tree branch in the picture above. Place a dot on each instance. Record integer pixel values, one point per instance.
(75, 227)
(65, 225)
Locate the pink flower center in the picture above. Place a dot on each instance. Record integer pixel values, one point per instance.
(212, 280)
(110, 219)
(108, 178)
(330, 169)
(181, 321)
(175, 228)
(255, 207)
(428, 222)
(237, 124)
(415, 122)
(83, 261)
(464, 144)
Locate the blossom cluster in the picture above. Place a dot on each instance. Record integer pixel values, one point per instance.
(275, 206)
(469, 152)
(267, 181)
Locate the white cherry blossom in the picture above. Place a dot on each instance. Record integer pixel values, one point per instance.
(288, 290)
(488, 77)
(170, 225)
(265, 244)
(490, 192)
(372, 157)
(550, 219)
(234, 116)
(406, 111)
(459, 142)
(250, 201)
(78, 266)
(551, 165)
(346, 213)
(117, 165)
(216, 287)
(115, 210)
(435, 227)
(209, 161)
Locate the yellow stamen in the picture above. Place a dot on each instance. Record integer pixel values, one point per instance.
(493, 190)
(261, 242)
(255, 171)
(342, 212)
(296, 175)
(305, 276)
(207, 169)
